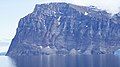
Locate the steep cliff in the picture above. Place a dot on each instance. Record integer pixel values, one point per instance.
(62, 28)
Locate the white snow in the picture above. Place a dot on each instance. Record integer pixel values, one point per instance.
(86, 13)
(80, 22)
(41, 47)
(54, 12)
(117, 52)
(44, 25)
(86, 26)
(48, 50)
(73, 52)
(48, 47)
(59, 18)
(58, 23)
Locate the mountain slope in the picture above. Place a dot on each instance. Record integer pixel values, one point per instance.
(58, 28)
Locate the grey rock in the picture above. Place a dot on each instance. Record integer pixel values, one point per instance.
(73, 52)
(63, 27)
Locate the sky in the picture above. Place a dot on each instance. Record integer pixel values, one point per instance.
(12, 10)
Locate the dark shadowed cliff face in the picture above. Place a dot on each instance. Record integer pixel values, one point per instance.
(61, 28)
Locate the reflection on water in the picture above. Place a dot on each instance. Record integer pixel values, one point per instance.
(61, 61)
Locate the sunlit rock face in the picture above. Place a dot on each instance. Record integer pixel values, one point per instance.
(62, 27)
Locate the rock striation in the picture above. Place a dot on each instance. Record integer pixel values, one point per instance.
(63, 28)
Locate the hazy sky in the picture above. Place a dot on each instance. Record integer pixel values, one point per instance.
(12, 10)
(10, 13)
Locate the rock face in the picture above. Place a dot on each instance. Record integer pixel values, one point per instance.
(57, 28)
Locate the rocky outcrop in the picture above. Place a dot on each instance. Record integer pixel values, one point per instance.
(62, 28)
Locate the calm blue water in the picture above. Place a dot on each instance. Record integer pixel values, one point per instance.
(61, 61)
